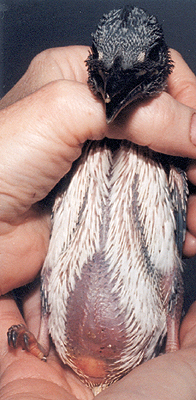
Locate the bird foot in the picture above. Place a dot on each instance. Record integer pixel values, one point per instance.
(20, 336)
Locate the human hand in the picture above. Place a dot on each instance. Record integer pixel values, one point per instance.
(44, 121)
(23, 376)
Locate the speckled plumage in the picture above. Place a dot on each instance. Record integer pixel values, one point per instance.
(113, 250)
(111, 281)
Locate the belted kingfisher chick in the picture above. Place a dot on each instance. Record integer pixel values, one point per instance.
(111, 282)
(129, 59)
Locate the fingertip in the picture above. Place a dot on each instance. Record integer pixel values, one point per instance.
(191, 215)
(191, 172)
(189, 247)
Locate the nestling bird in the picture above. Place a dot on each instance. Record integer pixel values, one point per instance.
(111, 282)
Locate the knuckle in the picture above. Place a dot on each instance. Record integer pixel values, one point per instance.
(42, 59)
(187, 92)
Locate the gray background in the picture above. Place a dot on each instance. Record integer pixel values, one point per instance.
(30, 26)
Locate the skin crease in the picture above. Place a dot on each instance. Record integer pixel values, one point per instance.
(40, 139)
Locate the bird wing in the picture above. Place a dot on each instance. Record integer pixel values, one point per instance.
(179, 192)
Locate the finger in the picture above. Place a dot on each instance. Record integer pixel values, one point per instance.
(189, 247)
(23, 249)
(41, 136)
(191, 172)
(191, 215)
(163, 124)
(188, 328)
(48, 66)
(182, 81)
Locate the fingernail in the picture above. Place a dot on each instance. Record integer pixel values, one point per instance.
(193, 130)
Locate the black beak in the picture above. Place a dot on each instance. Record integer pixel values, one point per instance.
(115, 102)
(113, 108)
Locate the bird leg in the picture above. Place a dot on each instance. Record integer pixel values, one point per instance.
(172, 343)
(20, 336)
(174, 309)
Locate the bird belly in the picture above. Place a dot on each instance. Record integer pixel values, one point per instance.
(111, 245)
(95, 325)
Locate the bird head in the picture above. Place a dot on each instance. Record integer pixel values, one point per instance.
(129, 59)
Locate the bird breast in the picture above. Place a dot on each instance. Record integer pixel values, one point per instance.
(112, 242)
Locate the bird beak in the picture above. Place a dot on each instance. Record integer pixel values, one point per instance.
(114, 105)
(117, 95)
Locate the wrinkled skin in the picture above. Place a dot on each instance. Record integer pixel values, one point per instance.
(41, 135)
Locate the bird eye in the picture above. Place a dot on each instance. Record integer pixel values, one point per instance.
(154, 53)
